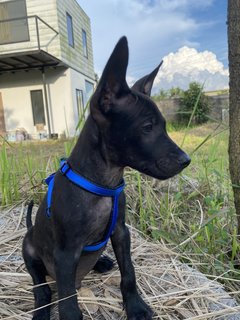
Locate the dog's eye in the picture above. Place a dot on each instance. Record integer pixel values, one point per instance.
(147, 127)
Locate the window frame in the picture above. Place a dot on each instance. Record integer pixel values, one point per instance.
(87, 93)
(70, 32)
(80, 110)
(84, 43)
(34, 112)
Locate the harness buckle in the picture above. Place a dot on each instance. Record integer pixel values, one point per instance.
(64, 168)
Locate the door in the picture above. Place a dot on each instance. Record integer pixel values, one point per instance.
(2, 120)
(37, 107)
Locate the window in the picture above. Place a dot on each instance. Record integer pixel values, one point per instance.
(37, 107)
(15, 28)
(89, 90)
(80, 104)
(84, 42)
(70, 30)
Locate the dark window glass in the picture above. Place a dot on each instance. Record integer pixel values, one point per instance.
(13, 22)
(70, 30)
(89, 89)
(80, 104)
(37, 107)
(84, 42)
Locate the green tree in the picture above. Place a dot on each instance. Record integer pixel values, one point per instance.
(176, 92)
(163, 94)
(194, 100)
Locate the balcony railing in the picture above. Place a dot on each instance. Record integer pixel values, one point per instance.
(26, 34)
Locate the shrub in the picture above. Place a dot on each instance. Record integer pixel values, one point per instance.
(195, 104)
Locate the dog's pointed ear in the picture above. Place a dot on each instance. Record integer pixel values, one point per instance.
(112, 84)
(144, 85)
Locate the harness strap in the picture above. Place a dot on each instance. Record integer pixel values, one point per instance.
(80, 181)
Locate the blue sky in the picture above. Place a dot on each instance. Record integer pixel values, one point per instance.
(159, 28)
(213, 36)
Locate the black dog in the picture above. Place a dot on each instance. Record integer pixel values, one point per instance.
(124, 128)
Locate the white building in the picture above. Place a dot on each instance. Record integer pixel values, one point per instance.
(46, 66)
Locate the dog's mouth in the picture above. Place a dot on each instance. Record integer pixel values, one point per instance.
(168, 171)
(156, 173)
(159, 171)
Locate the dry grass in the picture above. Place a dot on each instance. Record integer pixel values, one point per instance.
(174, 290)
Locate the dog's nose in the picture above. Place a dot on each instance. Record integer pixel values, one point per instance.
(184, 160)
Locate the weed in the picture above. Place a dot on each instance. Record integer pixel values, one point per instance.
(193, 212)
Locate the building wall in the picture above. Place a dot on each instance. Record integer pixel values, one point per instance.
(78, 82)
(74, 57)
(47, 11)
(61, 84)
(219, 106)
(54, 12)
(169, 108)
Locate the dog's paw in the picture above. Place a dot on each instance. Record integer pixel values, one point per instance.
(69, 310)
(71, 315)
(103, 264)
(139, 310)
(42, 314)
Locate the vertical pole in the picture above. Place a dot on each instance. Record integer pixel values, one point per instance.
(37, 29)
(46, 101)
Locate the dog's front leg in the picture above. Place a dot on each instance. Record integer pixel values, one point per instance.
(66, 262)
(136, 308)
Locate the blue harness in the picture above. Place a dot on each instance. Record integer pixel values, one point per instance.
(93, 188)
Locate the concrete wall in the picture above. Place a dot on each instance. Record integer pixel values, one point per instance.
(74, 57)
(61, 82)
(169, 108)
(219, 106)
(61, 89)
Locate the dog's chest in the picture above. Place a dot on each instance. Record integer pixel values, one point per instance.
(101, 210)
(99, 213)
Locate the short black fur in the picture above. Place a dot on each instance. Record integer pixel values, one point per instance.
(124, 128)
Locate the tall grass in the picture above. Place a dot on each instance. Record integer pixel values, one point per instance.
(23, 166)
(193, 212)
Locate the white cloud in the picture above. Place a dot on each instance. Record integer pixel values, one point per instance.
(187, 65)
(153, 28)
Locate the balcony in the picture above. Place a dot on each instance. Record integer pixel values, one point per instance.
(28, 43)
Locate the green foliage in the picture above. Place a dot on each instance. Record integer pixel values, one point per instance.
(174, 92)
(163, 94)
(194, 99)
(23, 166)
(192, 212)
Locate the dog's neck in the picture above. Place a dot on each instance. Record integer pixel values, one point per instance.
(90, 158)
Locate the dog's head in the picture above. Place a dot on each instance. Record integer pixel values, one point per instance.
(131, 126)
